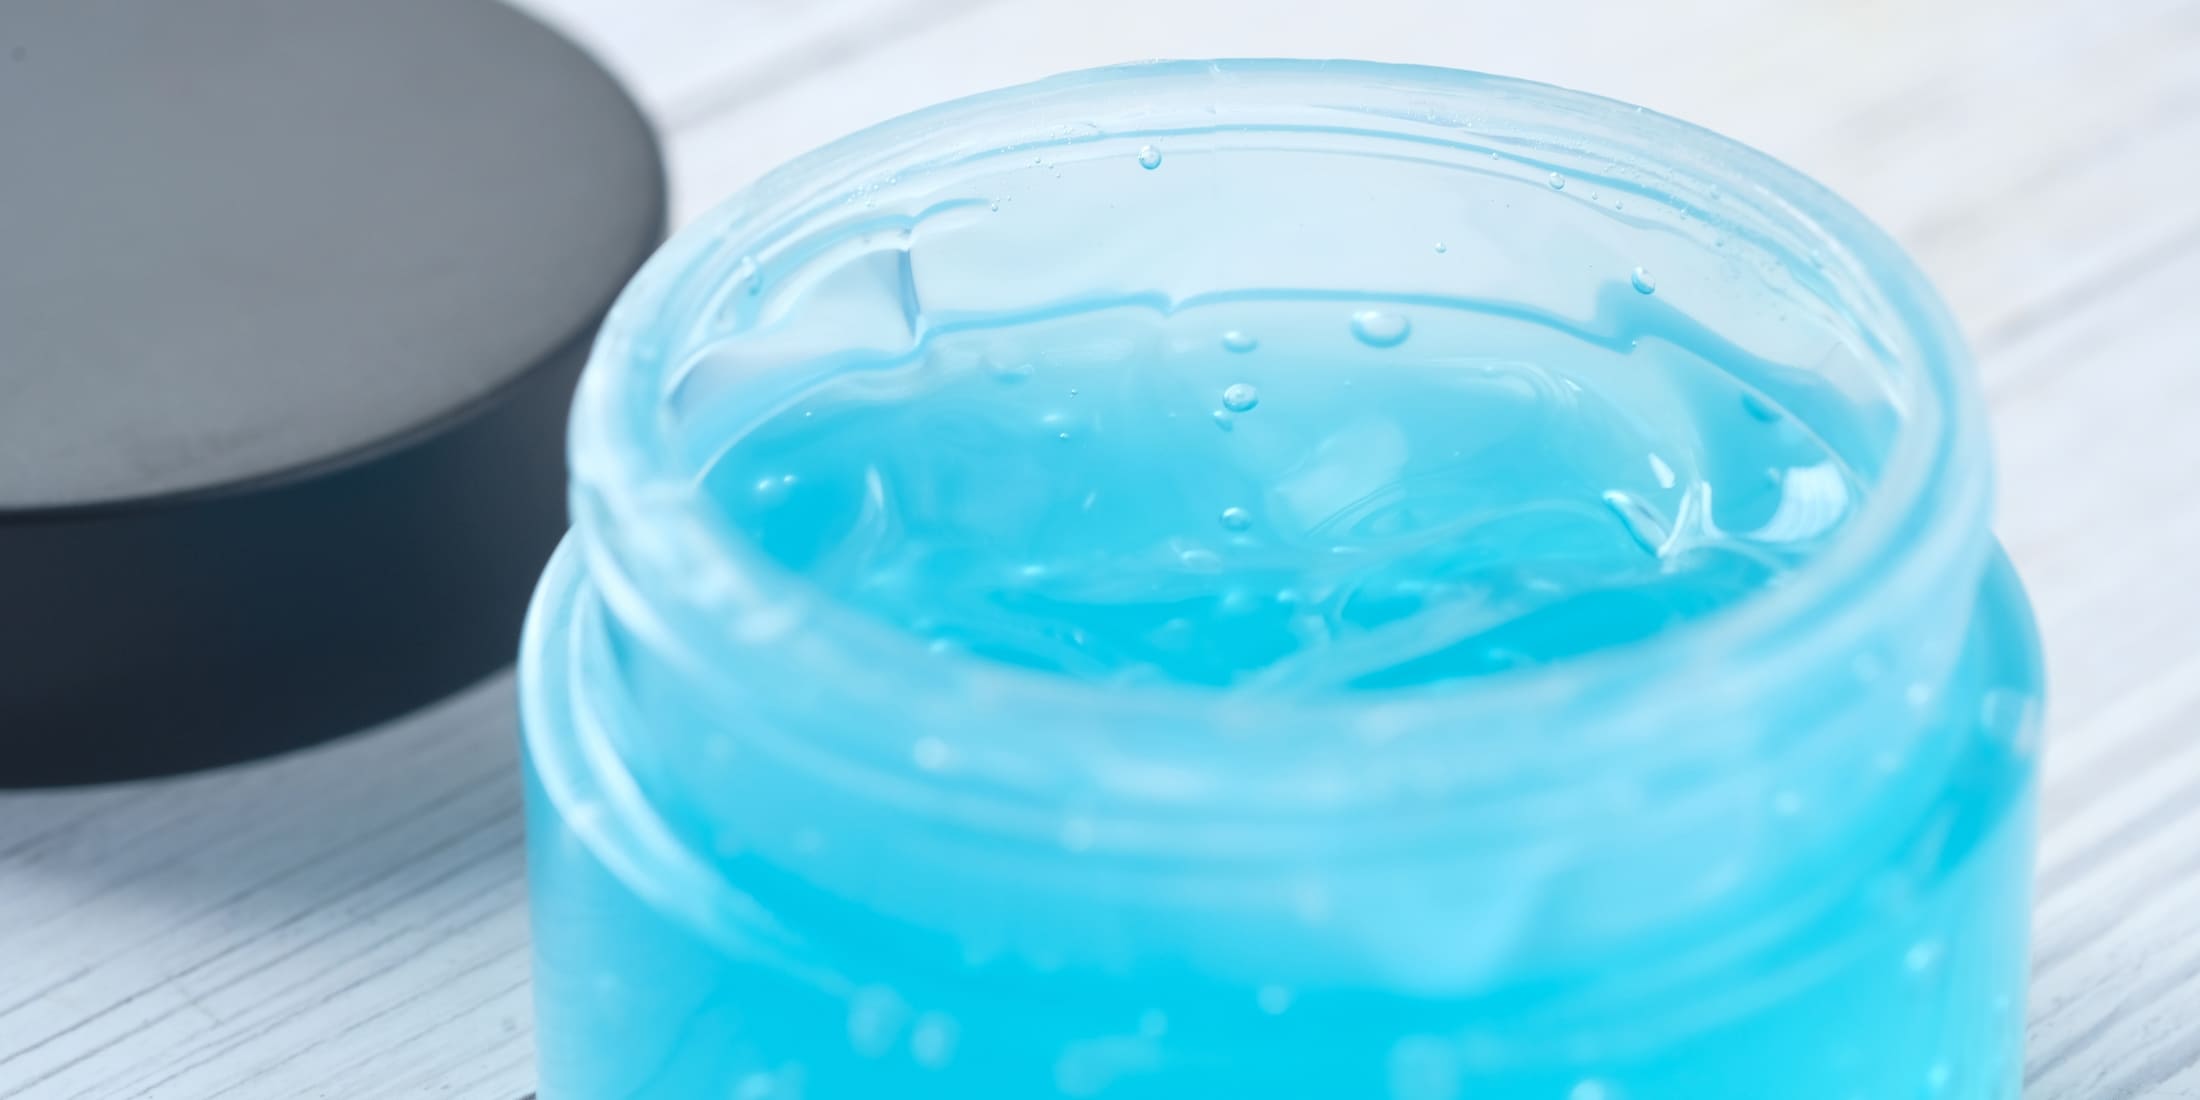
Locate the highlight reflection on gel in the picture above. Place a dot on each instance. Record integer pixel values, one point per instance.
(1073, 595)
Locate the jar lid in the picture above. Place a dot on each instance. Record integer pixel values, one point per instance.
(292, 301)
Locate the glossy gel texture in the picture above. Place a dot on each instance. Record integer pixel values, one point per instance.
(1274, 691)
(1377, 516)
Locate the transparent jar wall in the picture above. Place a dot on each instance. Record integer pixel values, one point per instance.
(1402, 198)
(1799, 871)
(694, 969)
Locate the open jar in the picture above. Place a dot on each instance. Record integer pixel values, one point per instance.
(1286, 579)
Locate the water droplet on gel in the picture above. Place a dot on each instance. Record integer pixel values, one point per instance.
(1240, 397)
(1238, 341)
(1381, 329)
(1921, 956)
(1937, 1078)
(1236, 519)
(876, 1016)
(994, 206)
(1644, 284)
(1199, 559)
(1274, 1000)
(930, 753)
(1441, 248)
(1224, 420)
(772, 490)
(932, 1041)
(1149, 158)
(1558, 182)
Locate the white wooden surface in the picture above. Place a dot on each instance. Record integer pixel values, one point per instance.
(349, 922)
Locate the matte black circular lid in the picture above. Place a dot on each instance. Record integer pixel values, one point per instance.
(292, 299)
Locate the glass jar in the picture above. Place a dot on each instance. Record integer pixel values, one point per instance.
(781, 849)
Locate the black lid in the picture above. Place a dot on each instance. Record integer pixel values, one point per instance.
(292, 299)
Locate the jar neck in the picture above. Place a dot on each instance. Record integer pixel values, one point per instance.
(694, 613)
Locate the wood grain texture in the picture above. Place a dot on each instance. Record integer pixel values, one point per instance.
(349, 922)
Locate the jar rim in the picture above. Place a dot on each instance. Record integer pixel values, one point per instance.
(1926, 509)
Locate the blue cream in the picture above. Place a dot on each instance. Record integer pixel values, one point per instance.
(1115, 495)
(1047, 617)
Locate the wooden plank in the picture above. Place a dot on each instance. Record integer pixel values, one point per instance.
(688, 59)
(2116, 983)
(247, 930)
